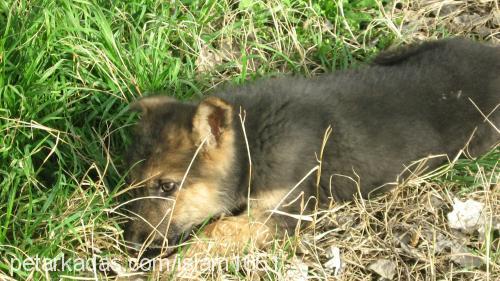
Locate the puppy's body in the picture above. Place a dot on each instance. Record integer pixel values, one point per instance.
(382, 116)
(409, 104)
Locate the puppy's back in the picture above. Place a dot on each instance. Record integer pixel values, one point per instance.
(453, 69)
(414, 102)
(439, 51)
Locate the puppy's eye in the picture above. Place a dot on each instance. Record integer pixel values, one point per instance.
(168, 186)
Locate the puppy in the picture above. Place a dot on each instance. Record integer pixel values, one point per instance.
(255, 154)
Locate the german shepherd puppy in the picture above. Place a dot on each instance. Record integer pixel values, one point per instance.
(259, 153)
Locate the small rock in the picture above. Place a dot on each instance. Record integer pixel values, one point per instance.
(334, 263)
(448, 9)
(467, 20)
(436, 202)
(385, 268)
(462, 257)
(466, 216)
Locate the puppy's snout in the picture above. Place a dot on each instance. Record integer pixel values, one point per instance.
(149, 232)
(133, 234)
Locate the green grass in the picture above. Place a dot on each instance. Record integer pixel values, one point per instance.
(68, 69)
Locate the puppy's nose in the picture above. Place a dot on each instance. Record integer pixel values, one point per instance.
(133, 236)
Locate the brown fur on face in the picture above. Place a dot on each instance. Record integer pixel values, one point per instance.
(168, 138)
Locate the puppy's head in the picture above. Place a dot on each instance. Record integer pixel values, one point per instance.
(179, 159)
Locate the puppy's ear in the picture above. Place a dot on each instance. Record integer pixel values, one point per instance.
(212, 120)
(148, 104)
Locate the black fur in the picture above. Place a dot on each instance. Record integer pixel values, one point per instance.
(409, 104)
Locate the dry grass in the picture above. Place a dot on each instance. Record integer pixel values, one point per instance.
(409, 227)
(424, 19)
(406, 228)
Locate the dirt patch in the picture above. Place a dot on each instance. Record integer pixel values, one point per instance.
(424, 19)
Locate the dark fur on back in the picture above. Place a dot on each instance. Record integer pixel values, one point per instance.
(383, 116)
(408, 104)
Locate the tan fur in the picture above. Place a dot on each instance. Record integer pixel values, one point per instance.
(203, 117)
(146, 105)
(231, 235)
(218, 153)
(202, 127)
(269, 199)
(165, 162)
(196, 203)
(178, 139)
(220, 159)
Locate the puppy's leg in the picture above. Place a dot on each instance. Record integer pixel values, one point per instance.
(232, 235)
(236, 234)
